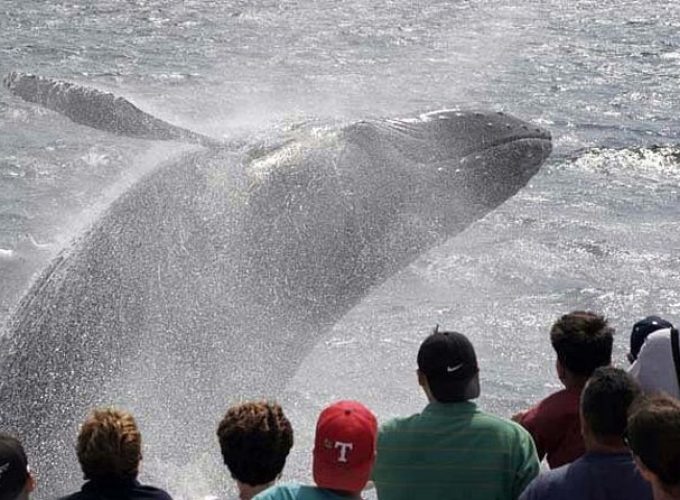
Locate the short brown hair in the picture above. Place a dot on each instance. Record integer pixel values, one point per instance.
(654, 436)
(583, 341)
(109, 445)
(255, 438)
(606, 400)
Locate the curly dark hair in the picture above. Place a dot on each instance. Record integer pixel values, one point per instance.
(109, 445)
(583, 341)
(654, 436)
(255, 438)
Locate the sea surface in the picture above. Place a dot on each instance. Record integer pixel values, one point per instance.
(596, 229)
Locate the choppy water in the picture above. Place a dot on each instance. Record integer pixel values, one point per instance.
(597, 228)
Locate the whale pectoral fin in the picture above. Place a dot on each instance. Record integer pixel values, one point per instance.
(99, 110)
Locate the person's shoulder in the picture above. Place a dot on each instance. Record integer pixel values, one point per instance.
(152, 493)
(74, 496)
(549, 484)
(561, 397)
(398, 423)
(283, 491)
(502, 424)
(557, 403)
(546, 485)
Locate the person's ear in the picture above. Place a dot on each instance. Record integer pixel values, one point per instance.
(472, 390)
(30, 483)
(422, 379)
(584, 426)
(559, 367)
(425, 385)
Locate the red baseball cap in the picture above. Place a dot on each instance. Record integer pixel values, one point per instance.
(344, 447)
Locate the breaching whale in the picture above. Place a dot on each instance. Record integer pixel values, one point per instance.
(212, 277)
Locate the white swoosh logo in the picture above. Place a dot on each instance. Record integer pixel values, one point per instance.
(3, 469)
(450, 369)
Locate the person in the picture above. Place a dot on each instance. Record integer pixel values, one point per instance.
(582, 341)
(16, 480)
(641, 330)
(255, 439)
(607, 470)
(344, 452)
(651, 354)
(452, 449)
(654, 438)
(109, 450)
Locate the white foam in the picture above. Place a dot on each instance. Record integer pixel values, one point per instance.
(655, 163)
(6, 253)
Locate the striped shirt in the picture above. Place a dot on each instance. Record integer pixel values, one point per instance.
(453, 451)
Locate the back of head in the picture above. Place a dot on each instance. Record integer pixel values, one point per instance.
(654, 437)
(13, 467)
(109, 446)
(583, 341)
(605, 401)
(255, 439)
(449, 362)
(641, 331)
(344, 447)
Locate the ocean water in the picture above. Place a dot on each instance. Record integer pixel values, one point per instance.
(596, 229)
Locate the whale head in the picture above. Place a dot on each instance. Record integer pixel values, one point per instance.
(459, 164)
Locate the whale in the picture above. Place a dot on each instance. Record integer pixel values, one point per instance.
(211, 278)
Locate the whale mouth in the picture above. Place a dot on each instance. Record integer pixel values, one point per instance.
(538, 146)
(452, 131)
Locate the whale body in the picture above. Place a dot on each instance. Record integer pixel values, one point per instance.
(211, 278)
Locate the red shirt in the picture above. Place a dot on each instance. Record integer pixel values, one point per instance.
(555, 425)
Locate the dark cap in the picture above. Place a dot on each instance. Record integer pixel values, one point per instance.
(448, 361)
(13, 467)
(641, 331)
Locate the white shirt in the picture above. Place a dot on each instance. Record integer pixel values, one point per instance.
(654, 368)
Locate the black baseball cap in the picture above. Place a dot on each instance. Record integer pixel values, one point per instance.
(448, 361)
(13, 467)
(641, 331)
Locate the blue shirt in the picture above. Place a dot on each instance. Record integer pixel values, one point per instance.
(594, 476)
(294, 491)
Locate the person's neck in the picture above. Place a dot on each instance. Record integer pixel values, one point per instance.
(573, 382)
(660, 493)
(605, 445)
(246, 491)
(346, 494)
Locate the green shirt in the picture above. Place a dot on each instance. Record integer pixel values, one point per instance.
(453, 451)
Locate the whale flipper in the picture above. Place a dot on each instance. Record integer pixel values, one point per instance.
(99, 110)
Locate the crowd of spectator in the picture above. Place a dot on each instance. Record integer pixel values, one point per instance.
(609, 434)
